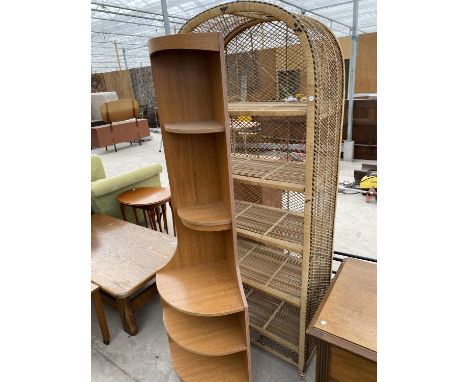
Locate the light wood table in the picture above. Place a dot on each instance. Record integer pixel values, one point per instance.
(345, 325)
(124, 260)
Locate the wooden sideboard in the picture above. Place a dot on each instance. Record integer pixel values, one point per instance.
(345, 325)
(364, 128)
(124, 131)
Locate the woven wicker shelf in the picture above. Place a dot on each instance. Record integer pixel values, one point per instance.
(212, 217)
(284, 214)
(277, 174)
(274, 318)
(270, 225)
(267, 109)
(200, 334)
(198, 368)
(196, 127)
(272, 271)
(204, 290)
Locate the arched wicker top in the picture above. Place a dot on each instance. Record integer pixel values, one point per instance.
(317, 42)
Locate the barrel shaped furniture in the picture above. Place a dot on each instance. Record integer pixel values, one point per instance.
(204, 306)
(285, 158)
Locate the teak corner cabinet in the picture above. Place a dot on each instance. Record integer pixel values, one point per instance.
(204, 307)
(285, 158)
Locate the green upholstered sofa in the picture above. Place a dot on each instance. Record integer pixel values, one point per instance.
(104, 191)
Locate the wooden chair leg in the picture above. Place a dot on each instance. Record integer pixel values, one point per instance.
(101, 316)
(124, 306)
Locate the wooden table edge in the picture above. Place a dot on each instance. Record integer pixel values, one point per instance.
(144, 205)
(359, 350)
(127, 294)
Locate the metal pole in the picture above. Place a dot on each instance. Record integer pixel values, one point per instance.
(125, 58)
(167, 29)
(165, 17)
(348, 147)
(117, 55)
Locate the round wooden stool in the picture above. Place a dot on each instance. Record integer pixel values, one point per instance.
(152, 201)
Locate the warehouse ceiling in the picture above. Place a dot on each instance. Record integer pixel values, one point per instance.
(120, 29)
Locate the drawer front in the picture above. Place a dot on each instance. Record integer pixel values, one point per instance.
(347, 367)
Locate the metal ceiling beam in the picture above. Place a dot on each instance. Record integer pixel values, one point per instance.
(332, 5)
(122, 34)
(135, 10)
(331, 21)
(134, 16)
(126, 22)
(111, 42)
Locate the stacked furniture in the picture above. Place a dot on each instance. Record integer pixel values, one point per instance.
(364, 127)
(123, 124)
(105, 191)
(204, 307)
(285, 158)
(97, 99)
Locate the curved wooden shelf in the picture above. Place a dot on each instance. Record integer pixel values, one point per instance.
(212, 217)
(203, 290)
(210, 336)
(198, 368)
(195, 127)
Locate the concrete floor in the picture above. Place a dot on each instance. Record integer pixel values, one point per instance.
(145, 357)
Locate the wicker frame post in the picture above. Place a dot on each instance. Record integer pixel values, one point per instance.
(308, 58)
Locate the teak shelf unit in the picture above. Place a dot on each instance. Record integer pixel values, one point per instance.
(285, 158)
(204, 306)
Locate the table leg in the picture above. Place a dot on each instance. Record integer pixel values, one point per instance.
(124, 306)
(122, 211)
(173, 221)
(158, 216)
(163, 209)
(136, 216)
(152, 219)
(144, 215)
(153, 226)
(101, 316)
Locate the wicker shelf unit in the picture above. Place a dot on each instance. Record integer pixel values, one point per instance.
(204, 306)
(285, 158)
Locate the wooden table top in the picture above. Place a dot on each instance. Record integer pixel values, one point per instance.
(94, 287)
(125, 256)
(145, 196)
(347, 316)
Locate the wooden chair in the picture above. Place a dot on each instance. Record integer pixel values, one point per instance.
(120, 110)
